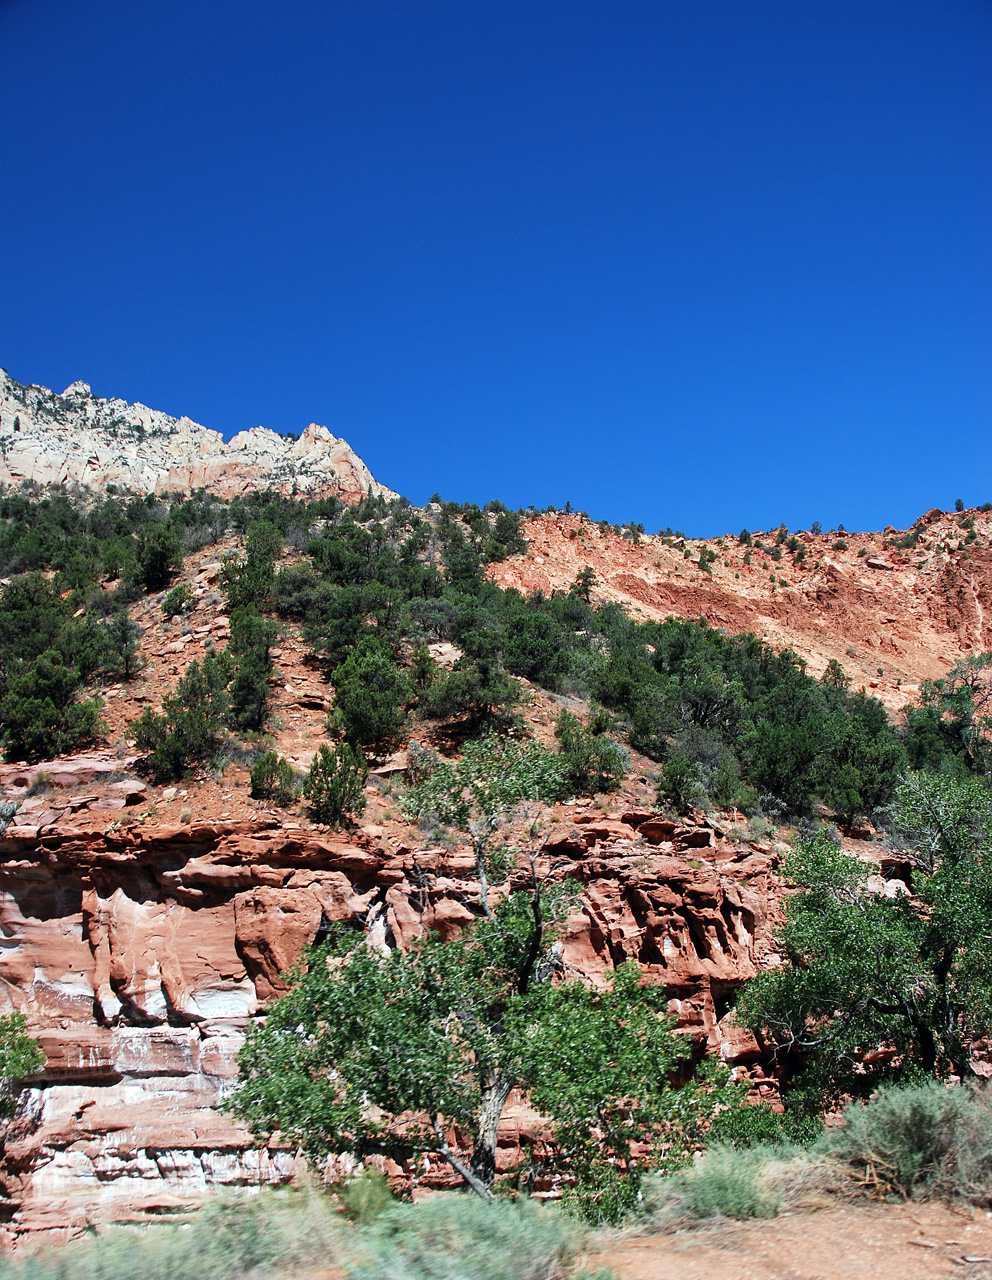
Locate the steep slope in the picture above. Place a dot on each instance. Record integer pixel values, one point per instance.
(78, 438)
(892, 608)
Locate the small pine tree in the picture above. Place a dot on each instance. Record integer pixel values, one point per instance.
(334, 786)
(272, 779)
(583, 585)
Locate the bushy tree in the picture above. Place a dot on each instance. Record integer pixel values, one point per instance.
(479, 793)
(883, 986)
(950, 727)
(272, 778)
(479, 689)
(593, 762)
(369, 692)
(121, 640)
(334, 785)
(40, 714)
(188, 732)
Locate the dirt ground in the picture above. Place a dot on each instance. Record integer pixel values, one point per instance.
(875, 1242)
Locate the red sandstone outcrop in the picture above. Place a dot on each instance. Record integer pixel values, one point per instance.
(140, 955)
(78, 438)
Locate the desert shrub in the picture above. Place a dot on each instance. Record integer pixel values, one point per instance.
(177, 601)
(452, 1237)
(365, 1197)
(268, 1235)
(593, 762)
(724, 1181)
(334, 785)
(678, 786)
(923, 1141)
(272, 778)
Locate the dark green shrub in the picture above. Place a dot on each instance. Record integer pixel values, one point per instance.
(177, 601)
(249, 666)
(160, 554)
(593, 763)
(678, 786)
(369, 690)
(334, 785)
(40, 715)
(272, 778)
(188, 731)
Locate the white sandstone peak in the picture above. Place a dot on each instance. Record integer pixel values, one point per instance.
(79, 438)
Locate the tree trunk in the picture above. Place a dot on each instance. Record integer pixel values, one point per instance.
(495, 1091)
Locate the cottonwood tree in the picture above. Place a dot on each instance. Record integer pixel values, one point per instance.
(412, 1054)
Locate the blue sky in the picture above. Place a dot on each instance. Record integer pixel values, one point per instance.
(703, 264)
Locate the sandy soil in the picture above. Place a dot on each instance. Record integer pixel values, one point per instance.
(875, 1242)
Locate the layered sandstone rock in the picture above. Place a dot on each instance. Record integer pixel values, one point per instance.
(141, 955)
(78, 438)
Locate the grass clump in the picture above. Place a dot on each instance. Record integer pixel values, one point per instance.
(271, 1234)
(453, 1236)
(277, 1234)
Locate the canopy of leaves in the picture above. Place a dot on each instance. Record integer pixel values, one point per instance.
(886, 988)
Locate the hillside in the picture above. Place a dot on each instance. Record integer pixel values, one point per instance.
(147, 921)
(893, 607)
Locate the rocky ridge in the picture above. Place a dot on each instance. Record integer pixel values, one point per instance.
(77, 438)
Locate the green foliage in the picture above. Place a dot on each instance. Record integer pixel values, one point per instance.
(678, 786)
(334, 785)
(159, 555)
(959, 504)
(20, 1057)
(926, 1141)
(490, 779)
(272, 778)
(366, 1196)
(266, 1236)
(187, 733)
(247, 660)
(369, 691)
(449, 1237)
(836, 676)
(885, 988)
(593, 762)
(949, 730)
(177, 601)
(40, 714)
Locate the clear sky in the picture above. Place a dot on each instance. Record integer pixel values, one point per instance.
(693, 262)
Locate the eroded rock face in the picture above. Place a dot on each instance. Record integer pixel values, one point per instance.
(141, 956)
(78, 438)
